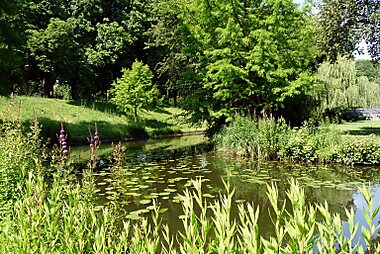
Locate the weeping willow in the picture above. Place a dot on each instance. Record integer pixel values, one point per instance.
(339, 87)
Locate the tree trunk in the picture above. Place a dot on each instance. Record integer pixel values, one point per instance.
(74, 90)
(175, 94)
(25, 84)
(48, 85)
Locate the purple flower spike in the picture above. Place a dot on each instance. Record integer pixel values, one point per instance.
(62, 142)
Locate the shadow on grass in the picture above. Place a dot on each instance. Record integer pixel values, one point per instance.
(365, 131)
(78, 132)
(99, 106)
(161, 110)
(153, 123)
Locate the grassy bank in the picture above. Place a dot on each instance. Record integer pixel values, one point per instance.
(45, 210)
(360, 129)
(78, 117)
(272, 139)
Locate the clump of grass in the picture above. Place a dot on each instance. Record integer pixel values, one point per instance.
(256, 137)
(17, 153)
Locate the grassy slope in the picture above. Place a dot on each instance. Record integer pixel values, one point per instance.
(112, 125)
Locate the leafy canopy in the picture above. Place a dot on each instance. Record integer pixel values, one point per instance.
(134, 90)
(248, 54)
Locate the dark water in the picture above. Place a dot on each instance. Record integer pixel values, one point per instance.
(161, 170)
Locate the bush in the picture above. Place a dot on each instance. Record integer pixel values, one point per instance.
(270, 138)
(259, 138)
(134, 90)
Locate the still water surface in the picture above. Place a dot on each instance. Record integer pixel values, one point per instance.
(162, 169)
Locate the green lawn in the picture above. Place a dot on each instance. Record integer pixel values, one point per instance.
(78, 118)
(360, 128)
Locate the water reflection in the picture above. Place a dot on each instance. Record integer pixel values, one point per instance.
(162, 169)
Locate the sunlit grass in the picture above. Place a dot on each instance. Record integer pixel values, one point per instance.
(112, 125)
(361, 128)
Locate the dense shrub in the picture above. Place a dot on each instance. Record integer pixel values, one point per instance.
(270, 138)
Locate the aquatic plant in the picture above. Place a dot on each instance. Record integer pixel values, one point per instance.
(62, 141)
(94, 145)
(118, 155)
(272, 139)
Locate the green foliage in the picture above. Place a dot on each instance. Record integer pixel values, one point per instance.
(338, 86)
(343, 24)
(338, 27)
(110, 39)
(368, 69)
(240, 55)
(268, 138)
(19, 153)
(361, 151)
(370, 14)
(10, 44)
(134, 90)
(56, 214)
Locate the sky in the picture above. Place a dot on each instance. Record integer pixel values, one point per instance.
(365, 56)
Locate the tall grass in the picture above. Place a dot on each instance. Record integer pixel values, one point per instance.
(273, 139)
(49, 211)
(256, 137)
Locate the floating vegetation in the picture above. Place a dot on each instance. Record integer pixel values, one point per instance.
(145, 201)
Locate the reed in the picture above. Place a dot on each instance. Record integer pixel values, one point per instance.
(50, 212)
(268, 138)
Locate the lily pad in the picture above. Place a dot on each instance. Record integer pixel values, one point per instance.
(145, 201)
(133, 216)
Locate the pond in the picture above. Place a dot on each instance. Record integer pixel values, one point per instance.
(162, 169)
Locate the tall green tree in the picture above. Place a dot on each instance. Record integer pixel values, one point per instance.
(370, 16)
(134, 89)
(245, 55)
(10, 43)
(343, 24)
(338, 28)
